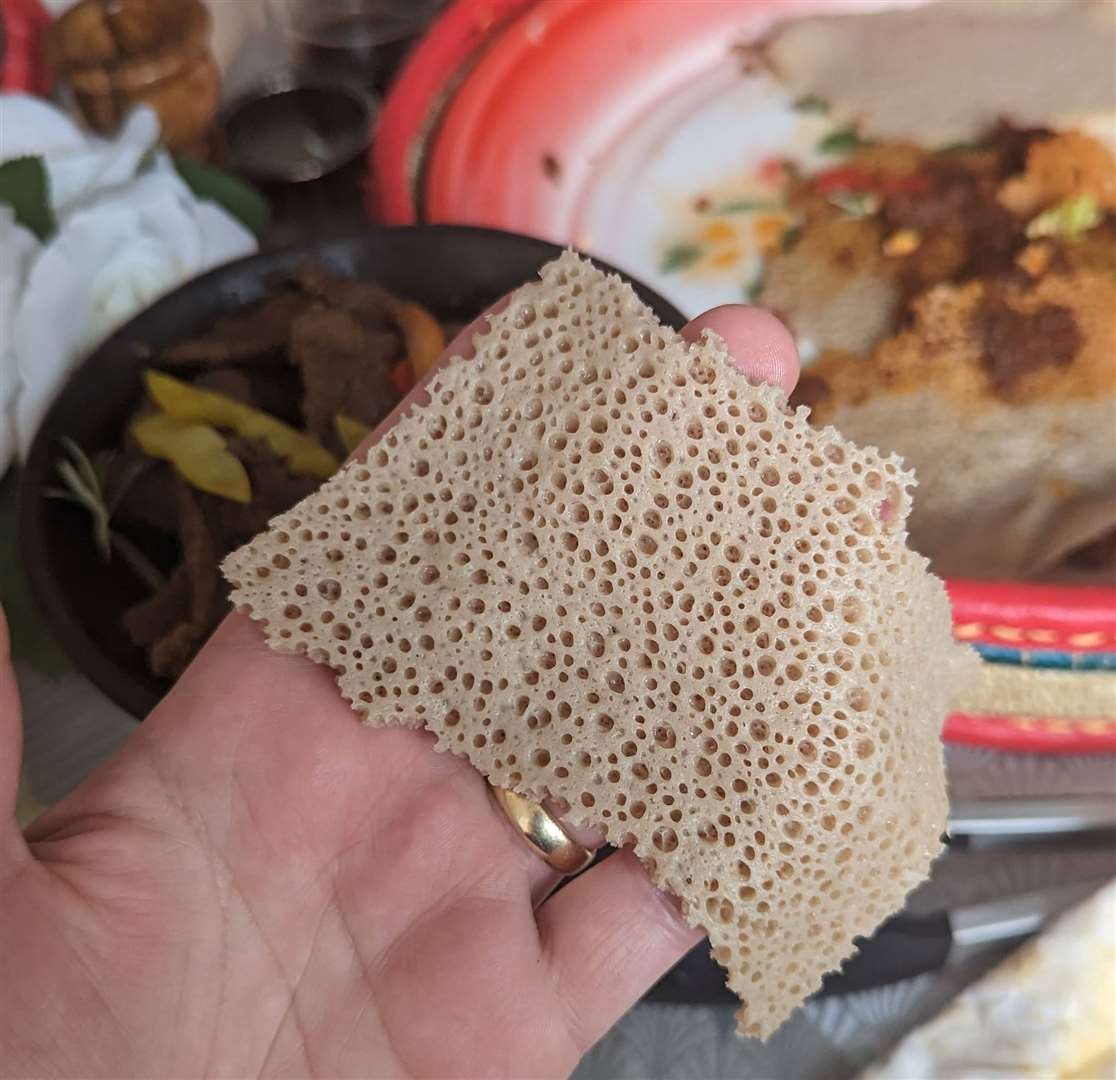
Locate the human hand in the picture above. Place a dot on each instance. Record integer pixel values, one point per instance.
(256, 884)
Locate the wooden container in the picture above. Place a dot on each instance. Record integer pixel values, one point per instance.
(115, 54)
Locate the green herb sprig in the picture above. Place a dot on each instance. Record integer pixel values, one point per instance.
(678, 257)
(745, 206)
(84, 485)
(811, 103)
(843, 141)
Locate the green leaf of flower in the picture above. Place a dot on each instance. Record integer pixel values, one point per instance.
(231, 193)
(25, 188)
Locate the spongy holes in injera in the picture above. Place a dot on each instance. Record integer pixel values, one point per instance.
(605, 567)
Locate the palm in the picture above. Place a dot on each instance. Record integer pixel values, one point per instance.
(259, 885)
(340, 896)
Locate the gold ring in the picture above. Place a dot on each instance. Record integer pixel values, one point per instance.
(545, 834)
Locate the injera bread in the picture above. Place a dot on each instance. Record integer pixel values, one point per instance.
(606, 568)
(944, 72)
(1010, 426)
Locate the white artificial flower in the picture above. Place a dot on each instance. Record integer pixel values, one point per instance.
(17, 248)
(102, 163)
(77, 164)
(32, 127)
(124, 238)
(112, 256)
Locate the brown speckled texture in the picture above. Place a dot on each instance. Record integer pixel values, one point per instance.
(605, 567)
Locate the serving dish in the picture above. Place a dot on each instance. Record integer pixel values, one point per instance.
(453, 271)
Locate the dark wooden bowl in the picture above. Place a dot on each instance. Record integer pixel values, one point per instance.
(455, 271)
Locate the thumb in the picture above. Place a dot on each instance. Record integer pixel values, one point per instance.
(11, 738)
(761, 347)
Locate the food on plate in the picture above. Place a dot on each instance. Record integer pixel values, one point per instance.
(959, 308)
(198, 453)
(256, 336)
(190, 404)
(893, 220)
(967, 321)
(941, 73)
(1001, 394)
(351, 432)
(235, 426)
(607, 569)
(939, 231)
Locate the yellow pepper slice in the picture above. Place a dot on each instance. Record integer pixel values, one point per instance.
(351, 432)
(197, 451)
(179, 399)
(423, 334)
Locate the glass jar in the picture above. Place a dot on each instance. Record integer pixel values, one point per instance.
(360, 41)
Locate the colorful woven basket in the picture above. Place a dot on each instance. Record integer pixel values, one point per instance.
(1050, 673)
